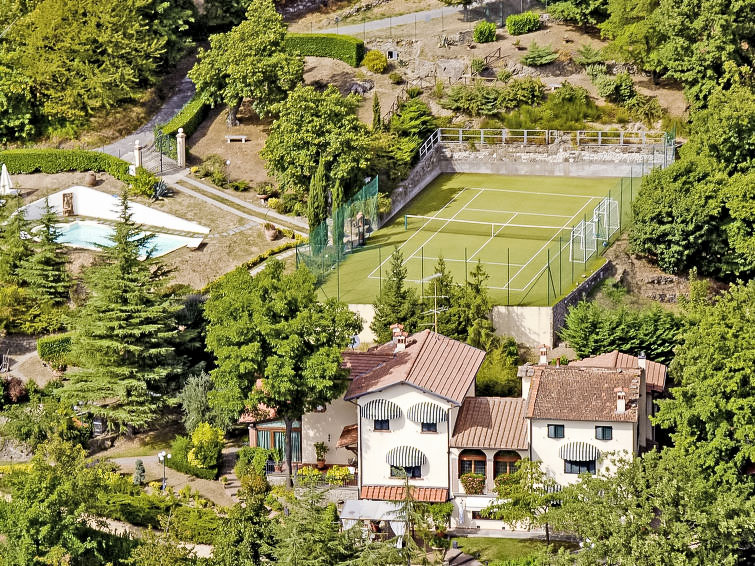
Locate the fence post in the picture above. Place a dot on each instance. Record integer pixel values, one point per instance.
(508, 273)
(482, 136)
(422, 273)
(181, 148)
(621, 137)
(525, 137)
(600, 138)
(380, 270)
(465, 267)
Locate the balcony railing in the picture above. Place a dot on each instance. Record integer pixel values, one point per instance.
(296, 466)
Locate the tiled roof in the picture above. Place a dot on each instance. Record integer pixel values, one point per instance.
(491, 422)
(581, 394)
(359, 363)
(431, 362)
(655, 373)
(349, 436)
(396, 493)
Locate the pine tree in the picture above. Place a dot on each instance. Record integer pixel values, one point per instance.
(338, 216)
(45, 272)
(397, 303)
(139, 472)
(122, 336)
(15, 247)
(317, 211)
(377, 119)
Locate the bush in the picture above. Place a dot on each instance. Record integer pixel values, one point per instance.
(195, 525)
(252, 460)
(15, 390)
(537, 55)
(343, 47)
(477, 66)
(338, 475)
(396, 78)
(309, 475)
(484, 100)
(190, 117)
(588, 55)
(484, 32)
(61, 160)
(518, 24)
(474, 484)
(179, 460)
(618, 89)
(498, 373)
(213, 167)
(141, 510)
(144, 183)
(206, 446)
(55, 350)
(414, 91)
(565, 12)
(644, 108)
(375, 61)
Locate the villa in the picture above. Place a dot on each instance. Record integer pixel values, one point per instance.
(411, 408)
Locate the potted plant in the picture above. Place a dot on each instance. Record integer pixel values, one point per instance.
(474, 484)
(277, 460)
(321, 449)
(271, 232)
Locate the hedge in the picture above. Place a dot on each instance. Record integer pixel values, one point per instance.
(190, 117)
(61, 160)
(518, 24)
(343, 47)
(179, 460)
(55, 349)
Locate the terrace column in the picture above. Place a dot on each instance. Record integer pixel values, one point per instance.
(181, 147)
(489, 471)
(137, 154)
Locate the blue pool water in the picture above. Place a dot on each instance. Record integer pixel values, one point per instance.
(88, 234)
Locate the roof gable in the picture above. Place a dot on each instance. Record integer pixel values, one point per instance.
(491, 422)
(655, 373)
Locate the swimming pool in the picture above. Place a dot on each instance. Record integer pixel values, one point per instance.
(87, 234)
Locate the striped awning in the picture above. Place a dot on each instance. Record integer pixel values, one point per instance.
(426, 413)
(579, 452)
(405, 456)
(381, 409)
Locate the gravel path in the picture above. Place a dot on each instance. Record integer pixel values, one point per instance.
(385, 23)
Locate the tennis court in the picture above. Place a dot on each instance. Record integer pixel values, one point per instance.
(535, 236)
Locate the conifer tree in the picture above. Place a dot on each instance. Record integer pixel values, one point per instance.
(15, 247)
(377, 119)
(123, 335)
(45, 271)
(397, 303)
(317, 211)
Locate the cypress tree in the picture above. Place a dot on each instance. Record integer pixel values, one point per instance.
(123, 335)
(377, 120)
(397, 303)
(317, 211)
(338, 216)
(15, 247)
(45, 272)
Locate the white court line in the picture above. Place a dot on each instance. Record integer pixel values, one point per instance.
(564, 227)
(486, 263)
(449, 203)
(441, 228)
(518, 212)
(534, 193)
(493, 236)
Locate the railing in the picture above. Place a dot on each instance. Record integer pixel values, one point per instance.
(403, 96)
(619, 138)
(500, 136)
(296, 466)
(493, 56)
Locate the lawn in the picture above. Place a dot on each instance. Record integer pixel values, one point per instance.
(519, 227)
(488, 549)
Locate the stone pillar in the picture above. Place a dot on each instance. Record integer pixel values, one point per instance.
(181, 147)
(137, 154)
(489, 471)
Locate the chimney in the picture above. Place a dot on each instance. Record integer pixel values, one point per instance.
(396, 329)
(400, 340)
(642, 360)
(543, 355)
(621, 400)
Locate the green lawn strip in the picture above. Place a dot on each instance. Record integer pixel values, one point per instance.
(518, 253)
(489, 549)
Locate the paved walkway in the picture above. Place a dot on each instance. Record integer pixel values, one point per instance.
(420, 17)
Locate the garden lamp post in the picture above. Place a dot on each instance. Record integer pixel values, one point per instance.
(164, 457)
(227, 168)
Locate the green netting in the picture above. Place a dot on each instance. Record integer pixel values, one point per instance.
(347, 230)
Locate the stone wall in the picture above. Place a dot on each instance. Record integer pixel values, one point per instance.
(532, 326)
(580, 293)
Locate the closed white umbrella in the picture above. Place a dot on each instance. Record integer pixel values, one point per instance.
(6, 185)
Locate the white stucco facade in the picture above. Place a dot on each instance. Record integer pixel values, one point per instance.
(327, 427)
(375, 445)
(624, 442)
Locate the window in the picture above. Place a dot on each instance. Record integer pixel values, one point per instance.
(577, 467)
(555, 431)
(272, 435)
(410, 471)
(604, 432)
(505, 462)
(429, 427)
(477, 515)
(382, 424)
(472, 461)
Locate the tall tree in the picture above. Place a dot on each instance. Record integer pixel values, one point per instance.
(248, 62)
(15, 247)
(711, 411)
(246, 537)
(377, 116)
(528, 495)
(317, 209)
(397, 303)
(658, 509)
(123, 335)
(193, 399)
(275, 344)
(46, 272)
(316, 126)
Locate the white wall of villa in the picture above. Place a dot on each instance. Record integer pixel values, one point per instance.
(96, 204)
(624, 442)
(375, 444)
(327, 427)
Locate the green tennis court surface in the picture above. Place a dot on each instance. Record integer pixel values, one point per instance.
(527, 231)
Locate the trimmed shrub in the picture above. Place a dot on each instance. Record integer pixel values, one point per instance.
(61, 160)
(195, 525)
(588, 55)
(338, 475)
(477, 65)
(342, 47)
(252, 460)
(618, 89)
(179, 460)
(474, 484)
(537, 55)
(376, 61)
(55, 349)
(189, 118)
(206, 446)
(396, 78)
(484, 32)
(141, 510)
(518, 24)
